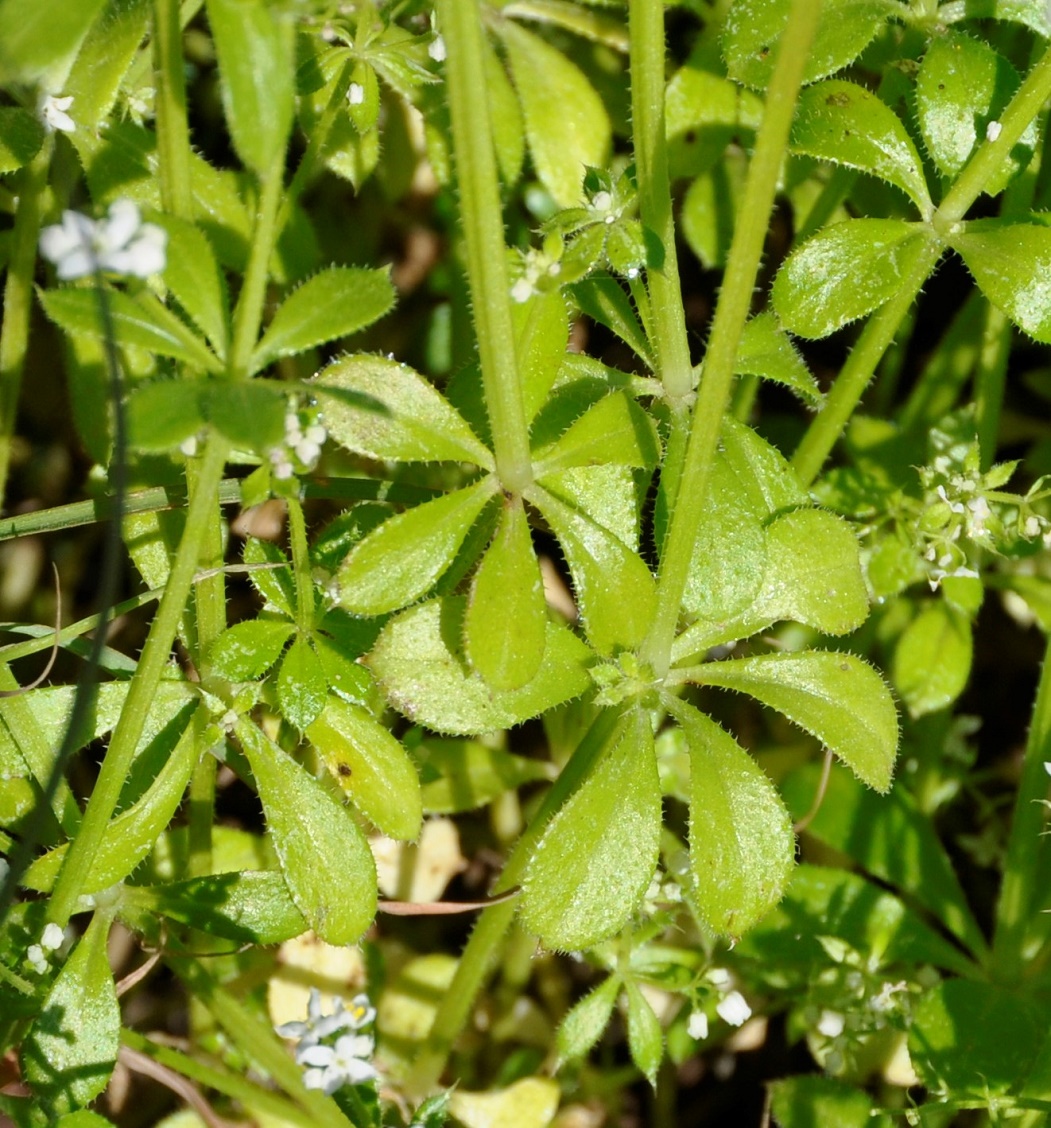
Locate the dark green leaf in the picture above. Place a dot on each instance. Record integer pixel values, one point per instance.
(251, 415)
(164, 413)
(810, 1099)
(21, 136)
(604, 300)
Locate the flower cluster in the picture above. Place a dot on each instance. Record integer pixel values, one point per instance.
(120, 244)
(732, 1007)
(305, 435)
(53, 112)
(334, 1048)
(50, 942)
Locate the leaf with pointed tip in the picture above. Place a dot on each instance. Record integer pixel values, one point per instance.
(766, 351)
(385, 410)
(603, 299)
(196, 282)
(71, 1047)
(583, 1025)
(35, 37)
(541, 330)
(645, 1038)
(1012, 266)
(418, 662)
(333, 303)
(371, 766)
(741, 844)
(615, 589)
(845, 272)
(565, 121)
(402, 560)
(302, 685)
(247, 650)
(837, 698)
(613, 430)
(506, 621)
(596, 857)
(845, 123)
(326, 862)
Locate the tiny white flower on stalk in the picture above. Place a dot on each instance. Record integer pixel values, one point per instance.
(121, 243)
(52, 112)
(831, 1024)
(35, 955)
(52, 938)
(332, 1067)
(733, 1009)
(697, 1026)
(993, 130)
(355, 94)
(436, 49)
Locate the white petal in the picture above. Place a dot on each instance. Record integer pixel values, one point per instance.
(124, 221)
(76, 264)
(734, 1010)
(52, 937)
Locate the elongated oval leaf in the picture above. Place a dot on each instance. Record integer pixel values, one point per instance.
(255, 42)
(302, 686)
(597, 855)
(645, 1038)
(843, 273)
(324, 857)
(383, 409)
(842, 122)
(71, 1048)
(583, 1025)
(614, 430)
(371, 767)
(741, 844)
(247, 650)
(565, 121)
(614, 588)
(418, 662)
(836, 697)
(193, 275)
(506, 624)
(932, 661)
(766, 351)
(402, 559)
(603, 299)
(1012, 266)
(334, 303)
(141, 322)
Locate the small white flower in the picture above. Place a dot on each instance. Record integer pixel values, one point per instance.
(831, 1024)
(308, 453)
(35, 955)
(601, 201)
(993, 130)
(522, 290)
(53, 114)
(436, 49)
(189, 446)
(52, 938)
(332, 1067)
(979, 514)
(1047, 767)
(734, 1010)
(318, 1025)
(355, 94)
(316, 433)
(121, 243)
(697, 1027)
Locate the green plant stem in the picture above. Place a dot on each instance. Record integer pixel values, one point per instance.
(646, 24)
(1017, 904)
(297, 535)
(480, 954)
(484, 238)
(735, 299)
(173, 133)
(828, 425)
(143, 688)
(18, 299)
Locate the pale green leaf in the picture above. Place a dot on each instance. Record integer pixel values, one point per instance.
(505, 117)
(103, 60)
(418, 662)
(402, 560)
(371, 767)
(932, 660)
(645, 1038)
(385, 410)
(302, 685)
(196, 282)
(613, 430)
(36, 36)
(811, 1099)
(334, 303)
(845, 123)
(598, 853)
(541, 329)
(604, 300)
(462, 775)
(1032, 13)
(324, 857)
(741, 844)
(837, 698)
(1012, 266)
(506, 621)
(247, 650)
(565, 121)
(583, 1025)
(529, 1103)
(845, 272)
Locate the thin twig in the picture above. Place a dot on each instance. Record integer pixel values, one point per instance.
(819, 798)
(39, 679)
(443, 908)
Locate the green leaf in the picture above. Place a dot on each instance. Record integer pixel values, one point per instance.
(255, 43)
(811, 1099)
(506, 622)
(254, 907)
(71, 1048)
(541, 329)
(614, 430)
(596, 857)
(385, 410)
(140, 322)
(196, 282)
(419, 664)
(964, 85)
(583, 1025)
(766, 351)
(247, 650)
(842, 122)
(741, 844)
(604, 300)
(250, 414)
(753, 28)
(645, 1038)
(403, 559)
(565, 121)
(703, 112)
(371, 767)
(37, 35)
(975, 1039)
(103, 60)
(614, 588)
(21, 136)
(845, 272)
(463, 775)
(324, 857)
(162, 413)
(334, 303)
(889, 838)
(274, 584)
(837, 698)
(302, 686)
(1012, 266)
(1032, 13)
(932, 660)
(505, 117)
